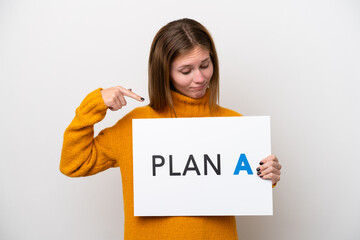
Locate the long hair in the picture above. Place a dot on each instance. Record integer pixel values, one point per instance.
(172, 40)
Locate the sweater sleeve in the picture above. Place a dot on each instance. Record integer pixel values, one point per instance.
(82, 154)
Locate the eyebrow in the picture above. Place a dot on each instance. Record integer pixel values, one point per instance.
(189, 65)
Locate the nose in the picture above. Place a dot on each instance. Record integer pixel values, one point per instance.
(199, 77)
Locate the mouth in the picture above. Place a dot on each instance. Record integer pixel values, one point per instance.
(199, 88)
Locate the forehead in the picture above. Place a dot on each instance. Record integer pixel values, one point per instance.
(194, 55)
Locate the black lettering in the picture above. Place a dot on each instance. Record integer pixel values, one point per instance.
(187, 168)
(171, 168)
(208, 160)
(157, 164)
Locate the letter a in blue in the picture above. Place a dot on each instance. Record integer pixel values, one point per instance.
(243, 164)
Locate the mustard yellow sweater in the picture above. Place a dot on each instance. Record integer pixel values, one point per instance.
(84, 155)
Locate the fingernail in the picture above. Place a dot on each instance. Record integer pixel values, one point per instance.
(258, 169)
(261, 163)
(142, 99)
(258, 173)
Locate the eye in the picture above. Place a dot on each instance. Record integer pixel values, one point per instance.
(186, 71)
(205, 66)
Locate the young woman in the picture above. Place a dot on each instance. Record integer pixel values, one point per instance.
(183, 82)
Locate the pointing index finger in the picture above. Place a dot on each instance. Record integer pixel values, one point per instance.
(131, 94)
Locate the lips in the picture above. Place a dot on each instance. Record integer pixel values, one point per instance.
(199, 88)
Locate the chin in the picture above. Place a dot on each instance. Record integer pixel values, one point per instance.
(197, 94)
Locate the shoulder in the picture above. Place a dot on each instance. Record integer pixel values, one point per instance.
(225, 112)
(142, 112)
(139, 112)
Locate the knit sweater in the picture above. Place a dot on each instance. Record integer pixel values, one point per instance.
(84, 155)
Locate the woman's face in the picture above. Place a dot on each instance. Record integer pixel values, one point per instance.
(191, 72)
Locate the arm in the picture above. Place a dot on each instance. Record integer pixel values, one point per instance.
(82, 154)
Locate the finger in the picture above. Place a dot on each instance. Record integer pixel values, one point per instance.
(116, 104)
(122, 99)
(268, 170)
(271, 157)
(269, 164)
(271, 176)
(130, 93)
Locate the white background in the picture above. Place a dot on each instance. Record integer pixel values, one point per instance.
(297, 61)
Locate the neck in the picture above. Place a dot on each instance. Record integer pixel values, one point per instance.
(185, 106)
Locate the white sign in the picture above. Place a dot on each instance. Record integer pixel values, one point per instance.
(201, 166)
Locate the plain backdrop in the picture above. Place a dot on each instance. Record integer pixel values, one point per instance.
(297, 61)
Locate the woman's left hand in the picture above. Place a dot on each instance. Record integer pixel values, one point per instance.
(269, 169)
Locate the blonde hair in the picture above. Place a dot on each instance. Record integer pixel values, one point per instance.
(172, 40)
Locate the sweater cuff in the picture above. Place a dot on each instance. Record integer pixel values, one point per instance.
(92, 109)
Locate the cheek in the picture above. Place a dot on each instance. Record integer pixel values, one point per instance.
(209, 72)
(180, 80)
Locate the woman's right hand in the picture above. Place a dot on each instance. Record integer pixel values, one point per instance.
(114, 97)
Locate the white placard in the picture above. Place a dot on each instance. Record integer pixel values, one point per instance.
(187, 166)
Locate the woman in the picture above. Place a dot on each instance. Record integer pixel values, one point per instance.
(183, 82)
